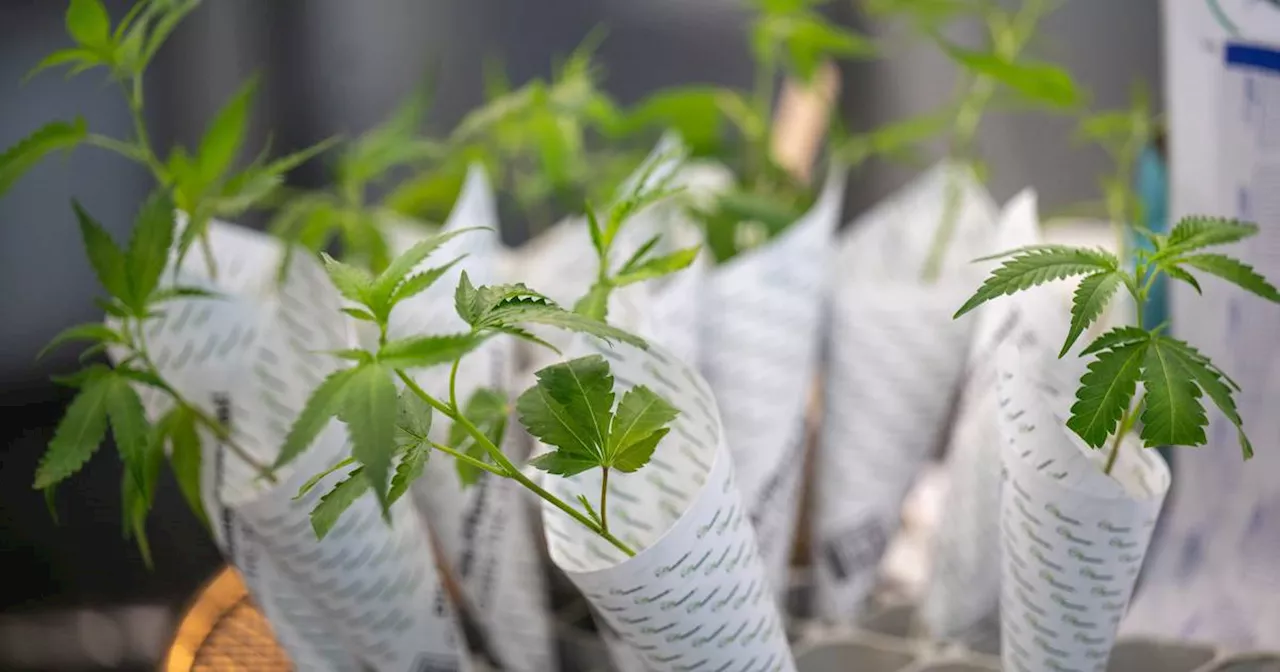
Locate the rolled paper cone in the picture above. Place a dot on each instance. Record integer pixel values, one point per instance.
(488, 541)
(759, 348)
(962, 598)
(695, 595)
(895, 356)
(1073, 537)
(365, 595)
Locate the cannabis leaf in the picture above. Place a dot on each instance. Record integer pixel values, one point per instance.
(51, 137)
(1106, 390)
(571, 408)
(1040, 82)
(334, 503)
(1037, 265)
(78, 434)
(369, 409)
(505, 308)
(487, 409)
(1230, 270)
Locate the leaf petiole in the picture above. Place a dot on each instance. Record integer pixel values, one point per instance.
(511, 471)
(478, 464)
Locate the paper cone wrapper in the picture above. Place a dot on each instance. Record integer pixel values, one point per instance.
(1073, 537)
(367, 595)
(962, 597)
(695, 596)
(485, 531)
(759, 348)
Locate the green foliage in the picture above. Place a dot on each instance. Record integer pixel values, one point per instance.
(643, 264)
(1175, 376)
(572, 409)
(51, 137)
(487, 409)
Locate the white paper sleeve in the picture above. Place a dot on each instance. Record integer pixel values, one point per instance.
(365, 597)
(759, 347)
(695, 596)
(1073, 537)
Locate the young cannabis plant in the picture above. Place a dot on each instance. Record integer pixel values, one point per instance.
(108, 395)
(203, 183)
(571, 407)
(313, 219)
(788, 36)
(643, 264)
(998, 76)
(1174, 375)
(535, 141)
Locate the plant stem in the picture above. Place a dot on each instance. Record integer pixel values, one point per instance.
(604, 499)
(508, 468)
(453, 385)
(1126, 423)
(134, 97)
(468, 459)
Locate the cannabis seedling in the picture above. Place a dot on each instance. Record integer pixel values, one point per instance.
(1174, 374)
(201, 184)
(998, 76)
(571, 407)
(786, 36)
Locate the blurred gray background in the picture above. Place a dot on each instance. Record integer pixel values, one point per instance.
(337, 67)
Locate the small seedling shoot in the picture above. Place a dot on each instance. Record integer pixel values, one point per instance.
(1175, 376)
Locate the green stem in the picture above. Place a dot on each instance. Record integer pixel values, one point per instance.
(463, 457)
(135, 99)
(127, 150)
(1126, 424)
(604, 500)
(509, 469)
(453, 384)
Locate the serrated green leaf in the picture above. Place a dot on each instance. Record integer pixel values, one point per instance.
(148, 251)
(1195, 232)
(130, 428)
(225, 135)
(93, 331)
(360, 314)
(424, 351)
(354, 284)
(353, 355)
(88, 23)
(107, 260)
(413, 419)
(637, 454)
(1036, 266)
(1179, 274)
(658, 267)
(1116, 337)
(597, 234)
(1173, 414)
(1212, 381)
(369, 406)
(1231, 270)
(584, 389)
(315, 480)
(334, 503)
(134, 507)
(185, 460)
(466, 300)
(591, 510)
(548, 421)
(1106, 391)
(82, 58)
(562, 463)
(391, 278)
(640, 413)
(420, 282)
(142, 376)
(79, 433)
(1040, 82)
(410, 467)
(324, 402)
(638, 256)
(519, 312)
(487, 409)
(1088, 302)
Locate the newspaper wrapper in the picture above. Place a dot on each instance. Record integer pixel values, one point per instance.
(962, 597)
(1073, 537)
(759, 347)
(365, 597)
(485, 531)
(695, 596)
(895, 357)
